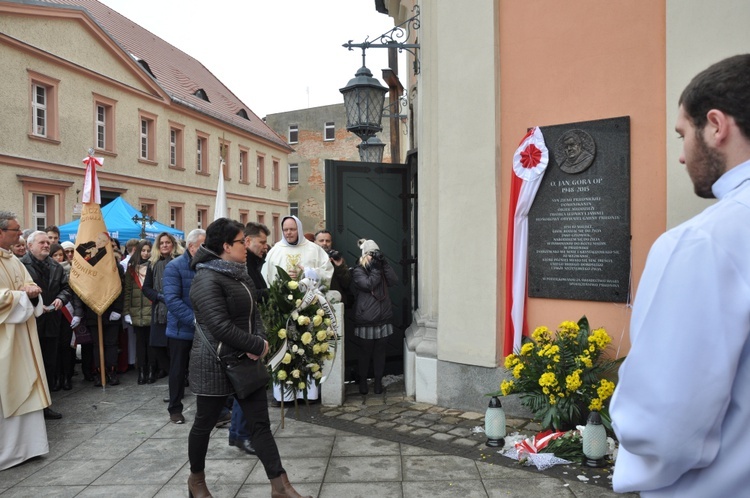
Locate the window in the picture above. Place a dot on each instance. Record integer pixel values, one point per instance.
(147, 137)
(293, 134)
(44, 118)
(176, 146)
(202, 217)
(275, 227)
(224, 154)
(261, 171)
(244, 213)
(243, 166)
(104, 124)
(275, 174)
(43, 200)
(175, 215)
(148, 206)
(39, 212)
(294, 209)
(201, 148)
(293, 174)
(329, 133)
(39, 104)
(261, 217)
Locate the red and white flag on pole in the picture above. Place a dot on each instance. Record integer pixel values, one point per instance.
(529, 164)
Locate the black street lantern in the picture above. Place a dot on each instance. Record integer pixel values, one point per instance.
(371, 150)
(364, 99)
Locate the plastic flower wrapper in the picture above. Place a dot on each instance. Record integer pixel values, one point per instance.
(530, 451)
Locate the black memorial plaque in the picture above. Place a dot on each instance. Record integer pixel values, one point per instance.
(579, 224)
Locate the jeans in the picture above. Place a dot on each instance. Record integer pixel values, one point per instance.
(255, 408)
(238, 429)
(179, 354)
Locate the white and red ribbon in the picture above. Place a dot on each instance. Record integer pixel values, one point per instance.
(91, 191)
(529, 163)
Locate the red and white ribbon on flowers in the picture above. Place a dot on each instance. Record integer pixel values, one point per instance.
(537, 443)
(90, 182)
(529, 163)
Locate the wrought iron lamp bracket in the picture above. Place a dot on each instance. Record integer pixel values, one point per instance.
(393, 39)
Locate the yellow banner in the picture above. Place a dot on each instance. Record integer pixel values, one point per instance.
(93, 272)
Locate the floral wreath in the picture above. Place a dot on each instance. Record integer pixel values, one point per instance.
(302, 331)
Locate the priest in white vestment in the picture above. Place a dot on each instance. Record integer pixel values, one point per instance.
(23, 386)
(295, 254)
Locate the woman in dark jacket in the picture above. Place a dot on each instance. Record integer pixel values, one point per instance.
(165, 250)
(372, 310)
(137, 311)
(221, 294)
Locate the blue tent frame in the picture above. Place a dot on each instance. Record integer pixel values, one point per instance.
(118, 217)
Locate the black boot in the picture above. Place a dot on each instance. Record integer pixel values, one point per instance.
(67, 384)
(151, 374)
(97, 378)
(142, 376)
(56, 384)
(112, 378)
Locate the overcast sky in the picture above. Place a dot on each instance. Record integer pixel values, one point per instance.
(275, 55)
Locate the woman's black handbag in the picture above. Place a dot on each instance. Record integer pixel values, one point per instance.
(245, 374)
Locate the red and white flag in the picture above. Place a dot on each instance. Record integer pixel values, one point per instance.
(529, 163)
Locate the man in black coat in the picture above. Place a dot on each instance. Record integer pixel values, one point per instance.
(51, 277)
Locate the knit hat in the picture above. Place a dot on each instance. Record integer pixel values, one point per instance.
(367, 246)
(68, 245)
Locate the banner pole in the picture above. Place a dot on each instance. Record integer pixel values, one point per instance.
(102, 365)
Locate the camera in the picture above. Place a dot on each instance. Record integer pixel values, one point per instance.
(377, 256)
(334, 254)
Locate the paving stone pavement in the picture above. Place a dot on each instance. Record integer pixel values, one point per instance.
(119, 442)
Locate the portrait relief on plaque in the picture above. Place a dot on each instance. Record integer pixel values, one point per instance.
(577, 149)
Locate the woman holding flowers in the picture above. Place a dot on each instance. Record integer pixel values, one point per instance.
(225, 309)
(373, 311)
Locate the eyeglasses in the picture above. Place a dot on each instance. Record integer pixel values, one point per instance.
(11, 229)
(238, 240)
(68, 250)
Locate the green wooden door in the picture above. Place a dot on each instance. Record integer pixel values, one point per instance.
(375, 201)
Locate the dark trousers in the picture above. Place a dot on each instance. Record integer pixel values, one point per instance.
(87, 359)
(255, 408)
(65, 360)
(372, 349)
(49, 356)
(238, 427)
(179, 357)
(110, 333)
(160, 355)
(144, 356)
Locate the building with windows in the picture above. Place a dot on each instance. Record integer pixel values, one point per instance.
(78, 75)
(316, 134)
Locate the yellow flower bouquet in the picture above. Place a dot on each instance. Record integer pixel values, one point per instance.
(560, 376)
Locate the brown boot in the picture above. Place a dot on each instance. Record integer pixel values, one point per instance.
(282, 488)
(197, 486)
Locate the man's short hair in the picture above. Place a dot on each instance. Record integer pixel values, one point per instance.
(52, 228)
(723, 86)
(322, 231)
(5, 217)
(33, 235)
(253, 229)
(131, 244)
(194, 235)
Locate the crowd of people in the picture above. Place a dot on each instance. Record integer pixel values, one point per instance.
(150, 327)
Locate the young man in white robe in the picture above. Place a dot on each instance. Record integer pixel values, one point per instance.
(24, 393)
(682, 406)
